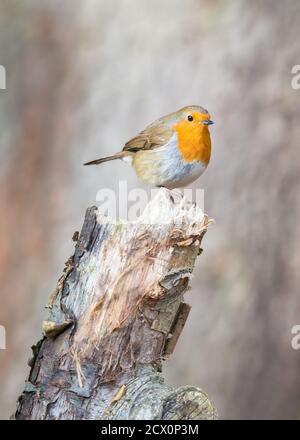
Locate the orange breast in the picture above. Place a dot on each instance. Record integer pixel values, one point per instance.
(193, 141)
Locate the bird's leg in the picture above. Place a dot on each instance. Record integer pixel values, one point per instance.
(175, 194)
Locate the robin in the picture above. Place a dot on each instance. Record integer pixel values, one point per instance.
(172, 152)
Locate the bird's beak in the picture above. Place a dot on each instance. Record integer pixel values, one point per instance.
(207, 122)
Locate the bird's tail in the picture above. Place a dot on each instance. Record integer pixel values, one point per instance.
(106, 159)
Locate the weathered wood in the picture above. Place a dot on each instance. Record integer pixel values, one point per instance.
(116, 312)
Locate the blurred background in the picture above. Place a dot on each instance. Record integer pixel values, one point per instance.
(85, 76)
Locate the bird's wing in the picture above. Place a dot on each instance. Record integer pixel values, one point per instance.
(155, 135)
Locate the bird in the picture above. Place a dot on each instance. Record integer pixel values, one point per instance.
(171, 152)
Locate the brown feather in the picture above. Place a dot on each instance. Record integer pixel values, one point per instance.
(106, 159)
(155, 135)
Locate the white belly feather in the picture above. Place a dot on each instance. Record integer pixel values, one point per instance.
(164, 166)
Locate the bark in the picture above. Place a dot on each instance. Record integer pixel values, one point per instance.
(116, 313)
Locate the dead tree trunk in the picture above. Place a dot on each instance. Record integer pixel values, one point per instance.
(117, 311)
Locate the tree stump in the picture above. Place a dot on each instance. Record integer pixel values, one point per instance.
(116, 313)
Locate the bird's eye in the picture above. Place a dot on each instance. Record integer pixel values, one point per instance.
(190, 118)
